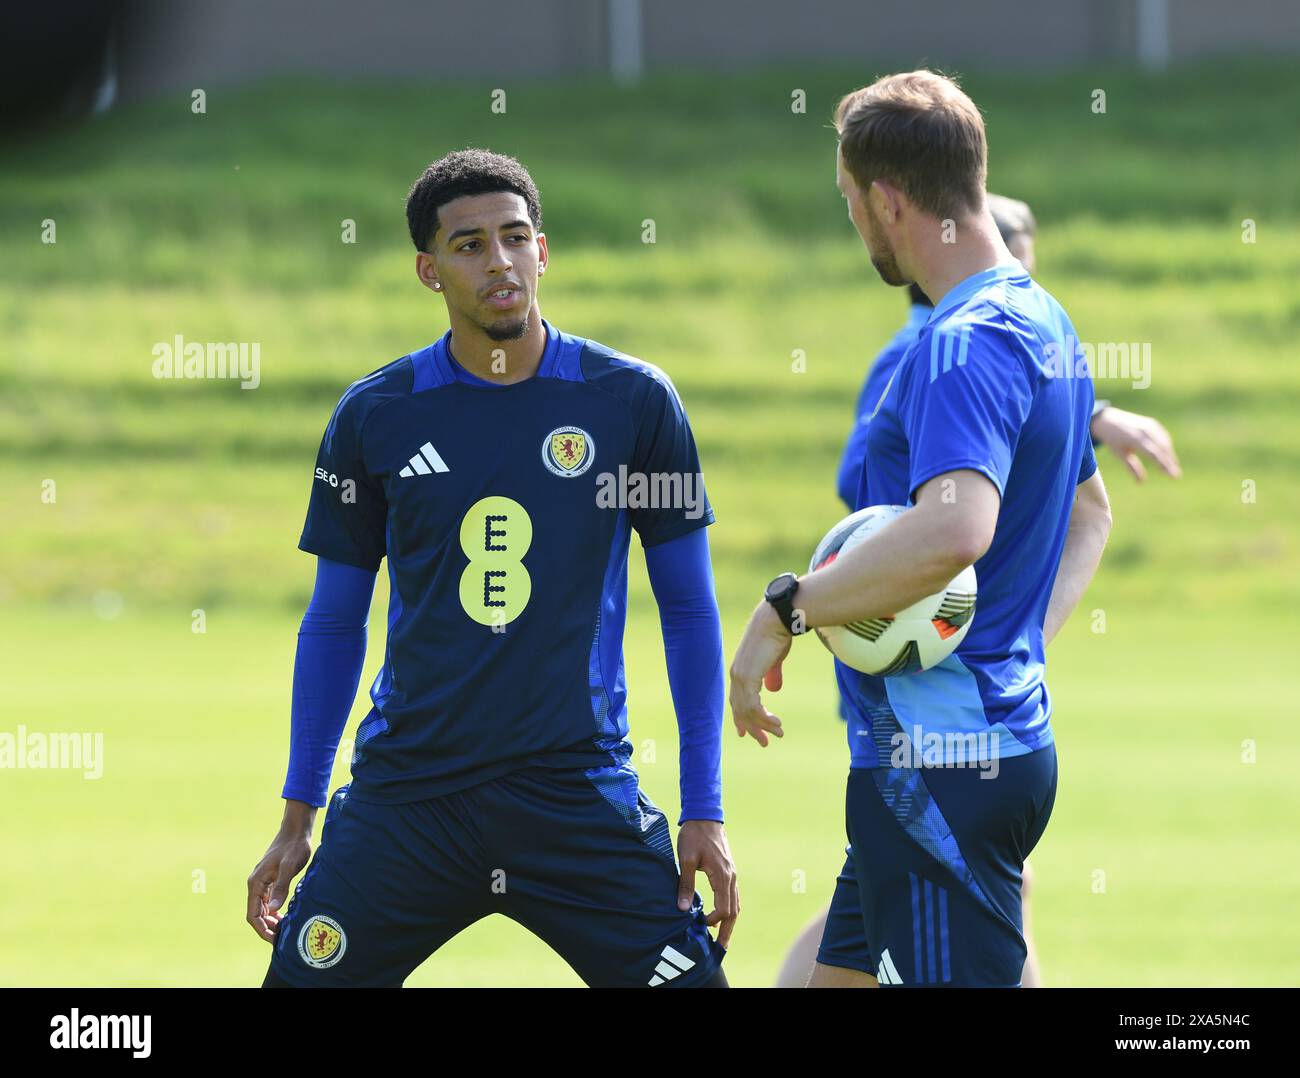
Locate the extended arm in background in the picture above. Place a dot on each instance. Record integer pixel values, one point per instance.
(1131, 436)
(681, 576)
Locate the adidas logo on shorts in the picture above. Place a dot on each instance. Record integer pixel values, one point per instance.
(886, 971)
(672, 964)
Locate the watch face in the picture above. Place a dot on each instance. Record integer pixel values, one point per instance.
(781, 586)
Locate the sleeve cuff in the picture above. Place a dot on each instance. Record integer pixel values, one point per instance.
(921, 478)
(701, 812)
(683, 526)
(313, 799)
(339, 553)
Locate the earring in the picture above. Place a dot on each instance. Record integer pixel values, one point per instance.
(437, 286)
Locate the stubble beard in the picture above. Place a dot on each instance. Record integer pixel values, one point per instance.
(882, 255)
(507, 331)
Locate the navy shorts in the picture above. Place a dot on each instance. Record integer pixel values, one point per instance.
(930, 891)
(581, 858)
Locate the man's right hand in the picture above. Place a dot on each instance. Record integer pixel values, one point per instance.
(268, 885)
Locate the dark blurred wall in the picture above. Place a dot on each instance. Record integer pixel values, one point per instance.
(997, 33)
(174, 45)
(1201, 27)
(181, 44)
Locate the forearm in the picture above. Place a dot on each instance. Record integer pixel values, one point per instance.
(901, 564)
(327, 671)
(326, 674)
(299, 817)
(1084, 543)
(915, 555)
(693, 653)
(682, 580)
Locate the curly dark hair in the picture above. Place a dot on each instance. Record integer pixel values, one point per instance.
(466, 172)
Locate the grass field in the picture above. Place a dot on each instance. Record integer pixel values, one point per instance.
(178, 496)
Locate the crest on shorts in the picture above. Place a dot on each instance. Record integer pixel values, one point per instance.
(321, 942)
(568, 451)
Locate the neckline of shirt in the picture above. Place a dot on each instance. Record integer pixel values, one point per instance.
(966, 288)
(457, 373)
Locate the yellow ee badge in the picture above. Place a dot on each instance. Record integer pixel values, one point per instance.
(495, 534)
(321, 942)
(568, 451)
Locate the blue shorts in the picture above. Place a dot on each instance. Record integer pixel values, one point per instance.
(581, 858)
(930, 892)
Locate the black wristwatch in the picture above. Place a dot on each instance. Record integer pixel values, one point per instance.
(780, 593)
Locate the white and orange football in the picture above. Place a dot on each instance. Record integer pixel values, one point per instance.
(912, 640)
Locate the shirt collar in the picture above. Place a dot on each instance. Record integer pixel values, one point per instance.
(963, 290)
(454, 372)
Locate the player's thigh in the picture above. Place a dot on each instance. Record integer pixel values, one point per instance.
(838, 977)
(938, 854)
(589, 867)
(387, 886)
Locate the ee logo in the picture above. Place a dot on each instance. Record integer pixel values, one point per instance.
(495, 534)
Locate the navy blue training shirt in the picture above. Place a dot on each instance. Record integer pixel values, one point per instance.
(506, 528)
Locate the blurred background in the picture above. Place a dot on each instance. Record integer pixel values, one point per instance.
(237, 173)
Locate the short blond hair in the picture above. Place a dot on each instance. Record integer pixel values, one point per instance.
(919, 131)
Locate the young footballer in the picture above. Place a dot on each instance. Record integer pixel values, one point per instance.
(983, 430)
(492, 773)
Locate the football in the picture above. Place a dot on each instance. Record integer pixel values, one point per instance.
(914, 639)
